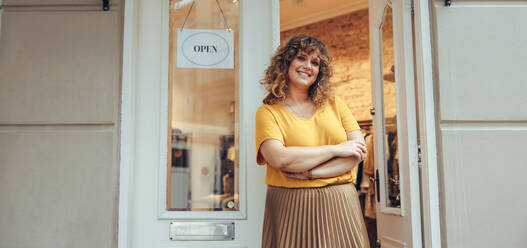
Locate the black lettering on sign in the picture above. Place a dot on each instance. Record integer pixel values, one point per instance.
(205, 49)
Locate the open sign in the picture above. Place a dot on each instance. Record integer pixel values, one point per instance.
(204, 48)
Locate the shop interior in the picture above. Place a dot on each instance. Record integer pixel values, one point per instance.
(343, 26)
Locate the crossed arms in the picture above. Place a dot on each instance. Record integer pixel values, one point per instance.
(315, 161)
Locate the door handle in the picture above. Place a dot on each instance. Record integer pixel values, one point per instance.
(377, 192)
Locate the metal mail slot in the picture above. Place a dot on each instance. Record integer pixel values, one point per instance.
(201, 231)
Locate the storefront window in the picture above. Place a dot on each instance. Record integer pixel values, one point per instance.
(203, 116)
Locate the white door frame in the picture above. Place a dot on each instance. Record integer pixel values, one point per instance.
(427, 123)
(128, 108)
(430, 212)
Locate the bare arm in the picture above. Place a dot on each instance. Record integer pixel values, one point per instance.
(301, 159)
(295, 159)
(356, 136)
(336, 166)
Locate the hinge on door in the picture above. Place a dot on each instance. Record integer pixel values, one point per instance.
(105, 5)
(448, 2)
(413, 11)
(419, 164)
(377, 186)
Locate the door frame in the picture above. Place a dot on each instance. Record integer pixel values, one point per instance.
(427, 122)
(128, 116)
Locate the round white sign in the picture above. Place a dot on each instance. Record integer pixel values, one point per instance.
(205, 48)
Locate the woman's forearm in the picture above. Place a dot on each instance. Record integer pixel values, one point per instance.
(299, 159)
(334, 167)
(303, 158)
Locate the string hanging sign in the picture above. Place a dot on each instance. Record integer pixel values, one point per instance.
(205, 48)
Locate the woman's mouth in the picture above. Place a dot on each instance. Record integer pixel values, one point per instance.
(305, 74)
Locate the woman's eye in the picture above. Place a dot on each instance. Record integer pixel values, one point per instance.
(315, 63)
(301, 58)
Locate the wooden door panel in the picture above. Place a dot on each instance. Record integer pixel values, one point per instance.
(487, 81)
(59, 126)
(58, 188)
(59, 67)
(483, 187)
(480, 61)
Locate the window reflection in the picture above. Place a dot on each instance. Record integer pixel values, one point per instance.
(203, 120)
(391, 161)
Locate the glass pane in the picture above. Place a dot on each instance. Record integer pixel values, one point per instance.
(391, 160)
(203, 119)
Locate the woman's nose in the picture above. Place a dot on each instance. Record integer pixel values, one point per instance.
(307, 64)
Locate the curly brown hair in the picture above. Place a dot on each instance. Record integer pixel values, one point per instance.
(276, 75)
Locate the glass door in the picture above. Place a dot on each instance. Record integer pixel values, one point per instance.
(395, 130)
(189, 176)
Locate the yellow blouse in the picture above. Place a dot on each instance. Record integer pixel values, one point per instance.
(328, 126)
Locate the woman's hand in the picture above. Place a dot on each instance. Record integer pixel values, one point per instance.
(352, 148)
(297, 175)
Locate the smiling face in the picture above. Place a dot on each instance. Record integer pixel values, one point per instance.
(303, 70)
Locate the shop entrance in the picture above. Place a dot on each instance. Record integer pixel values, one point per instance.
(372, 49)
(187, 160)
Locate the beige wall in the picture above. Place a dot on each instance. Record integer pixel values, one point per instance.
(347, 38)
(60, 66)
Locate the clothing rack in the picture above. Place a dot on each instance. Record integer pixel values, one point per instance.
(367, 125)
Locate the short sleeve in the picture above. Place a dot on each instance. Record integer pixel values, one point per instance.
(348, 121)
(266, 127)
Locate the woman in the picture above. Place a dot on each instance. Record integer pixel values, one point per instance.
(310, 142)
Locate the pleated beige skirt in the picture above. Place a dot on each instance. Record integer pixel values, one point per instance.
(326, 217)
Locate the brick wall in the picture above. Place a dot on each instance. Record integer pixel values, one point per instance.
(347, 38)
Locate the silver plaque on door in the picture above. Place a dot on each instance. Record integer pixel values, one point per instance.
(201, 230)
